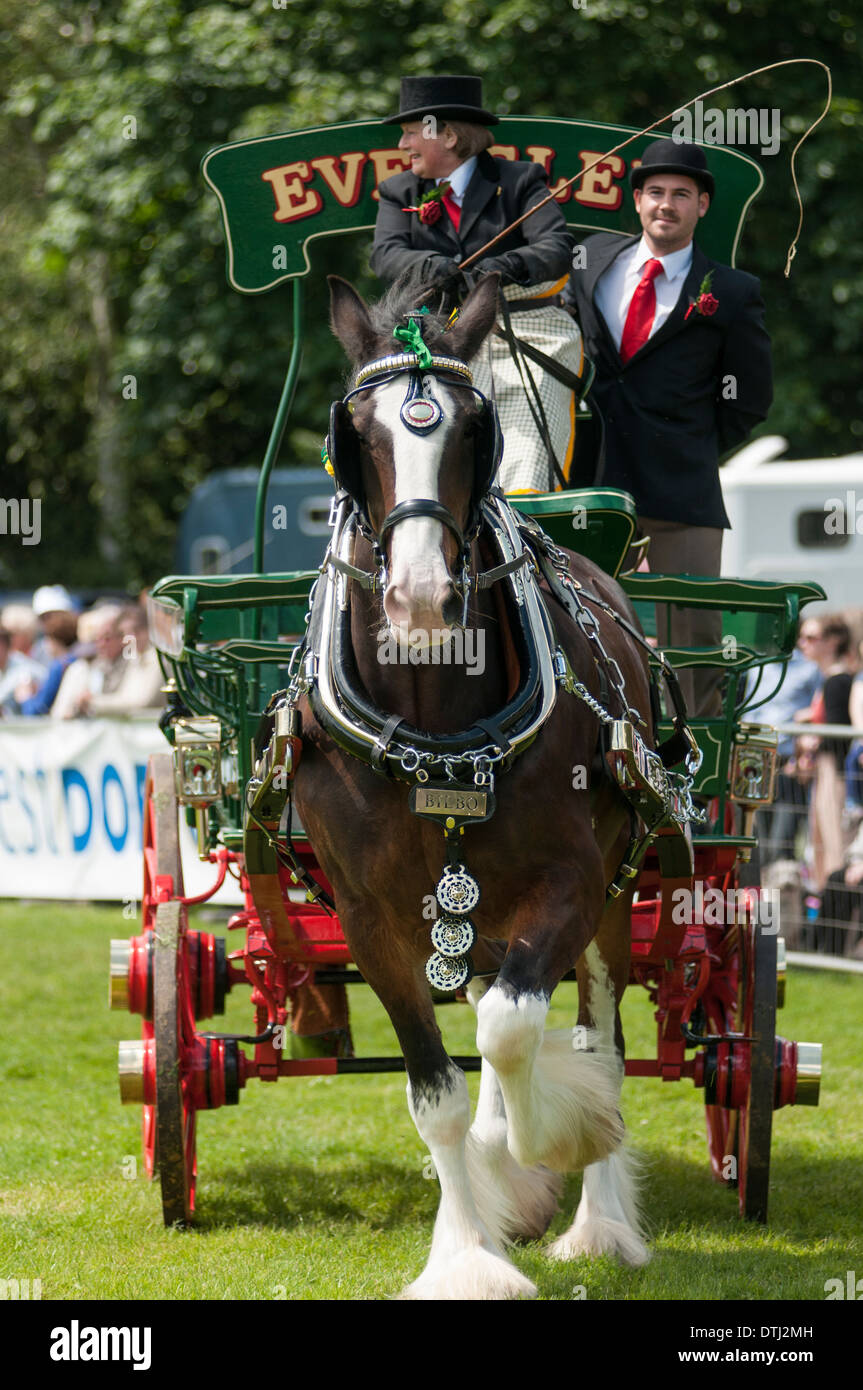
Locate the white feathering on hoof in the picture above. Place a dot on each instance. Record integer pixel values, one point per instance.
(476, 1274)
(512, 1201)
(568, 1117)
(607, 1221)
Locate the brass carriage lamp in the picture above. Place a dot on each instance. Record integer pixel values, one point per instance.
(753, 771)
(753, 766)
(198, 770)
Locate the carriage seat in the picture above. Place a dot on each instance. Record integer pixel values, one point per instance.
(598, 523)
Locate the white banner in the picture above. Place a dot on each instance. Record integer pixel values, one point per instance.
(71, 806)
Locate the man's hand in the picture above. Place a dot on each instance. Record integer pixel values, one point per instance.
(510, 266)
(442, 272)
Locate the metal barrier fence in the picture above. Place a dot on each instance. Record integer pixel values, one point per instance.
(817, 921)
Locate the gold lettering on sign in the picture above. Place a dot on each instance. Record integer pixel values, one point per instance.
(293, 201)
(441, 802)
(542, 154)
(509, 152)
(345, 185)
(387, 162)
(598, 189)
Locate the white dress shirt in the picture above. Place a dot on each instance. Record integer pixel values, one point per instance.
(617, 285)
(459, 179)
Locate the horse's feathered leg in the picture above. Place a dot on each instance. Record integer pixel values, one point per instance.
(512, 1201)
(560, 1089)
(607, 1219)
(465, 1261)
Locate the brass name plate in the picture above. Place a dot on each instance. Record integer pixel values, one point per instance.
(440, 801)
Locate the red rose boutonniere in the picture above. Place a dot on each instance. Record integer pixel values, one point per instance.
(428, 207)
(706, 304)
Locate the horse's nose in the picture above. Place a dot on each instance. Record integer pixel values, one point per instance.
(452, 608)
(396, 606)
(427, 610)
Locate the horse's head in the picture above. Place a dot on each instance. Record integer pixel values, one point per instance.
(413, 444)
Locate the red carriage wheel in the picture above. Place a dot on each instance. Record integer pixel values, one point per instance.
(720, 1007)
(722, 1143)
(742, 1075)
(174, 1031)
(148, 1123)
(161, 838)
(161, 861)
(758, 986)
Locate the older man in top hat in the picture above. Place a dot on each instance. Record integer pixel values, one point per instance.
(683, 373)
(454, 199)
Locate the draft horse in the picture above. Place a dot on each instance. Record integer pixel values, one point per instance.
(414, 451)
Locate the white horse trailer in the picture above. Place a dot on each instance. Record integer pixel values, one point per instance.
(800, 520)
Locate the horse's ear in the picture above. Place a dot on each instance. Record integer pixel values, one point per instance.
(350, 320)
(475, 320)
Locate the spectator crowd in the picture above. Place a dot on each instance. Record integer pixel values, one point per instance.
(56, 660)
(811, 837)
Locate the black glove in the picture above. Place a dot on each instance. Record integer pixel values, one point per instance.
(441, 272)
(512, 268)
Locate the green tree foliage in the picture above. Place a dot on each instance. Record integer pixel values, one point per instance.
(128, 369)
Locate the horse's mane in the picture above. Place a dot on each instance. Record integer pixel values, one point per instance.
(406, 293)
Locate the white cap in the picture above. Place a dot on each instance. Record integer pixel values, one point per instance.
(52, 598)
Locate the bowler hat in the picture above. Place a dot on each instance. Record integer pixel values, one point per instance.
(669, 157)
(454, 98)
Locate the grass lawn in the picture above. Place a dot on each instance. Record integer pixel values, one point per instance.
(317, 1188)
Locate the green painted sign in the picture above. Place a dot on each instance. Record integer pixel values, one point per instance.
(277, 193)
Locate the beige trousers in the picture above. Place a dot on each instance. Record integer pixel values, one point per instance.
(679, 549)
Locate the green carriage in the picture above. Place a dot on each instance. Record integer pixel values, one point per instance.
(229, 643)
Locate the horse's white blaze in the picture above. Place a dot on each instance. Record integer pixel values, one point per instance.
(464, 1262)
(561, 1100)
(419, 582)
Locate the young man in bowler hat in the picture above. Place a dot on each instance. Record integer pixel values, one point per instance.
(683, 373)
(445, 130)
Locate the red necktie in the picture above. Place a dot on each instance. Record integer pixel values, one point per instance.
(452, 208)
(642, 309)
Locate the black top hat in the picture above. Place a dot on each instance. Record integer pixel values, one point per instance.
(455, 98)
(669, 157)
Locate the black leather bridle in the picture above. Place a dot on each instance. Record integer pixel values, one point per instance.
(420, 413)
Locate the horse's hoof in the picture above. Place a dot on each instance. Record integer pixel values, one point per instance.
(600, 1238)
(472, 1275)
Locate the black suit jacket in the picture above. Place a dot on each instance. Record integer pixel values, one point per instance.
(499, 192)
(696, 388)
